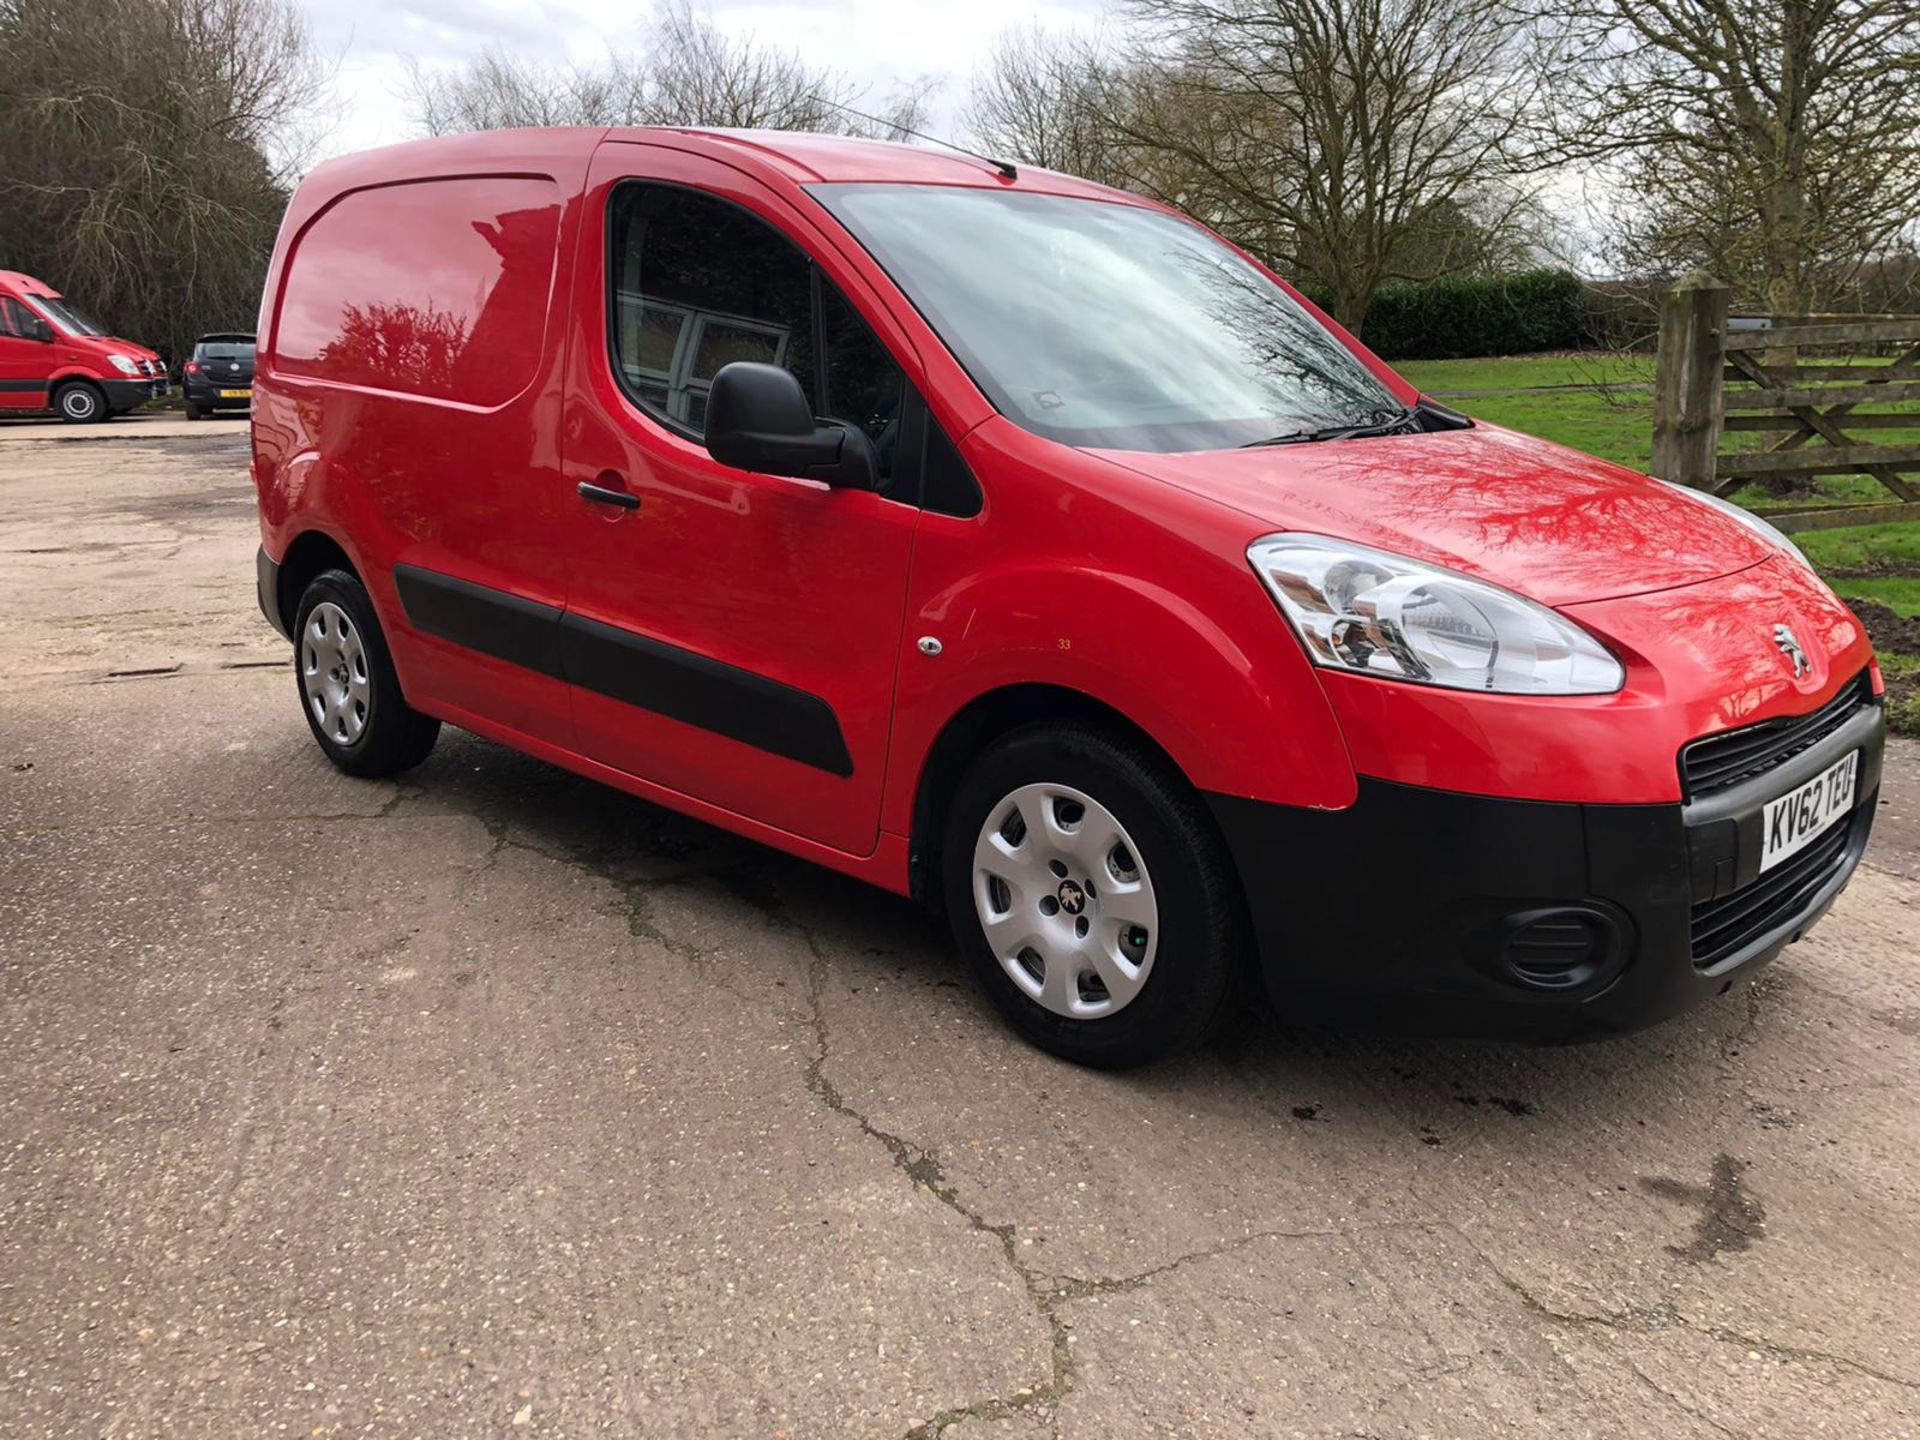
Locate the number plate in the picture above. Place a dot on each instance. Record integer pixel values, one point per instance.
(236, 394)
(1792, 821)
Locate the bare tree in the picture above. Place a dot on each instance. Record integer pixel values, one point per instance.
(498, 91)
(1354, 142)
(1774, 141)
(690, 73)
(1040, 99)
(1349, 142)
(147, 150)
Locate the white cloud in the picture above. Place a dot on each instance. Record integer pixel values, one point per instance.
(877, 43)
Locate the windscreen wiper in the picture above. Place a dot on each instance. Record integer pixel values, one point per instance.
(1404, 423)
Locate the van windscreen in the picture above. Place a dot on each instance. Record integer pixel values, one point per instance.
(70, 318)
(1109, 325)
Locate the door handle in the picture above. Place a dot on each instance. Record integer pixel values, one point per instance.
(601, 495)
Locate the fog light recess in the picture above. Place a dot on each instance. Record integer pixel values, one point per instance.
(1559, 949)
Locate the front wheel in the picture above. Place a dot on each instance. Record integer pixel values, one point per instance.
(79, 403)
(348, 689)
(1086, 882)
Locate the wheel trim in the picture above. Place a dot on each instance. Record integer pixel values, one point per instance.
(78, 402)
(333, 673)
(1041, 847)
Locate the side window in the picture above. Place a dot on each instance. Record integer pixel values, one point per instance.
(15, 319)
(699, 283)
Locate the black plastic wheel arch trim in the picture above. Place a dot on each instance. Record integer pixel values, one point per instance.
(636, 669)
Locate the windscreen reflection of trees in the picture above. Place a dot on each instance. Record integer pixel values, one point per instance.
(1105, 325)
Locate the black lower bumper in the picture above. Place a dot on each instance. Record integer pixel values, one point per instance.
(267, 581)
(123, 395)
(1476, 916)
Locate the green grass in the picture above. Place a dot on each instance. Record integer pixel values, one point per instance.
(1899, 593)
(1863, 547)
(1514, 372)
(1617, 428)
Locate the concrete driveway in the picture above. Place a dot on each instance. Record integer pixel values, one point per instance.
(494, 1103)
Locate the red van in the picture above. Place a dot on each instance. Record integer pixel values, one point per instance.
(54, 357)
(1017, 544)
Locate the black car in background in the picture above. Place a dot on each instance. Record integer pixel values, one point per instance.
(218, 375)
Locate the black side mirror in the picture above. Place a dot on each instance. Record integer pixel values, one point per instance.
(758, 419)
(38, 329)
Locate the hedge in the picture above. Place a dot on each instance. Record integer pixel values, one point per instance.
(1515, 314)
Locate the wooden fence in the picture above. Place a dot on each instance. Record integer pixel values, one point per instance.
(1718, 377)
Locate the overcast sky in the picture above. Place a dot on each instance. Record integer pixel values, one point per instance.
(875, 42)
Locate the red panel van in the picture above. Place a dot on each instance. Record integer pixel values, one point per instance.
(1018, 544)
(53, 356)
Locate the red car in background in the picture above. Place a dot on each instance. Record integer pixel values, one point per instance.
(1017, 543)
(53, 356)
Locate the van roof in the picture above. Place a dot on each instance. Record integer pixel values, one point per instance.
(19, 280)
(797, 157)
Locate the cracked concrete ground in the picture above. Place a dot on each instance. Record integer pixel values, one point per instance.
(497, 1103)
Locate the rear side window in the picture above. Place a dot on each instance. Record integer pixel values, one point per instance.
(436, 288)
(699, 283)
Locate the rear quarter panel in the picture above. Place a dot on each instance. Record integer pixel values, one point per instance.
(407, 395)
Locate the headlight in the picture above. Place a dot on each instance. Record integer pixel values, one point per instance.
(124, 365)
(1746, 517)
(1379, 614)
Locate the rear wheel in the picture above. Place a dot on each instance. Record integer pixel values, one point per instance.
(348, 689)
(1086, 882)
(80, 403)
(194, 411)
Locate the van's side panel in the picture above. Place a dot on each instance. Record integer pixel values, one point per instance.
(407, 402)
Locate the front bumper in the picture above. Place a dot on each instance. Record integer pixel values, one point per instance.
(123, 395)
(1443, 912)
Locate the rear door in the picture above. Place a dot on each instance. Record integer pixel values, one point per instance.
(734, 638)
(25, 362)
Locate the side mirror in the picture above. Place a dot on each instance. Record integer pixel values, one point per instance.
(758, 419)
(38, 329)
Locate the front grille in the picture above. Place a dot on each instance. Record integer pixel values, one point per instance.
(1723, 926)
(1723, 760)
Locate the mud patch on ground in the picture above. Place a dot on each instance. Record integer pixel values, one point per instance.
(1730, 1219)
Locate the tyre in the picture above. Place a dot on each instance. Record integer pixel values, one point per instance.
(348, 690)
(194, 412)
(79, 403)
(1088, 886)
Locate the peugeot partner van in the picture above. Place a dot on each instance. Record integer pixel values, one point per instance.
(1018, 544)
(54, 356)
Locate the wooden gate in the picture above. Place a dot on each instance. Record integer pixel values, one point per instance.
(1719, 376)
